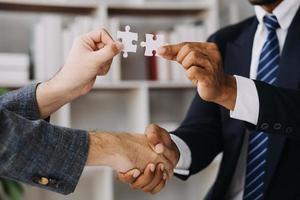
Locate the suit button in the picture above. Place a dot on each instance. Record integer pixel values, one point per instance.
(42, 180)
(264, 126)
(289, 130)
(277, 126)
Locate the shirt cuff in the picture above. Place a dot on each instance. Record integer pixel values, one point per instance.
(185, 157)
(247, 102)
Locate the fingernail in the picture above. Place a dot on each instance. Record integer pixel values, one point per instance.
(161, 50)
(136, 173)
(159, 148)
(119, 45)
(162, 168)
(152, 167)
(165, 176)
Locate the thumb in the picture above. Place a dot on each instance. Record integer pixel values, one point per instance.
(108, 52)
(170, 52)
(154, 137)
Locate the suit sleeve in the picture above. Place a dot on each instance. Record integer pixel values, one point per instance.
(279, 110)
(33, 150)
(22, 102)
(201, 131)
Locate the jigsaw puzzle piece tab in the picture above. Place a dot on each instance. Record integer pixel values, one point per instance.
(151, 45)
(128, 38)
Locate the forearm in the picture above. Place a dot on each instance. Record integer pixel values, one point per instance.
(52, 95)
(111, 149)
(103, 148)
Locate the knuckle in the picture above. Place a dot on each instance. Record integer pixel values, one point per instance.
(186, 63)
(114, 49)
(153, 128)
(188, 46)
(193, 70)
(194, 55)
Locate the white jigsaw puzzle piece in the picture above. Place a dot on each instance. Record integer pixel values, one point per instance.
(127, 38)
(152, 45)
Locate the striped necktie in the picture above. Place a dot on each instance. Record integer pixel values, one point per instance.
(258, 141)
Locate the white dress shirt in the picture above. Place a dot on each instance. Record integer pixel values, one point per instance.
(247, 103)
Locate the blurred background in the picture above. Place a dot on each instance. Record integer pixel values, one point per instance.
(35, 37)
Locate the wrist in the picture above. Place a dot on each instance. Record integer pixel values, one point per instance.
(104, 149)
(49, 98)
(64, 87)
(227, 98)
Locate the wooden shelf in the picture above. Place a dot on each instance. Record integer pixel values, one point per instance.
(129, 85)
(48, 6)
(169, 85)
(122, 85)
(158, 9)
(12, 85)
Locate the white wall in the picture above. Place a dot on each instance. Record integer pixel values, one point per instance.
(233, 11)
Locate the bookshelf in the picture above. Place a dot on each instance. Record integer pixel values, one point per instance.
(129, 99)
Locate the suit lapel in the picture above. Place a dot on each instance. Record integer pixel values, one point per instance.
(239, 52)
(289, 78)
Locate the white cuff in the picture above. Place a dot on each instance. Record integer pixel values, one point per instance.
(247, 101)
(185, 158)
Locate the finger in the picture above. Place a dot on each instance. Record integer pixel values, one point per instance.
(158, 177)
(100, 45)
(196, 73)
(145, 178)
(184, 51)
(104, 68)
(159, 187)
(171, 156)
(108, 52)
(196, 58)
(170, 51)
(157, 138)
(100, 36)
(129, 177)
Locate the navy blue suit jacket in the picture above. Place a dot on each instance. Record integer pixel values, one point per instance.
(279, 110)
(208, 129)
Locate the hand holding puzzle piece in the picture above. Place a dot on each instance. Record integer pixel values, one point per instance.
(128, 39)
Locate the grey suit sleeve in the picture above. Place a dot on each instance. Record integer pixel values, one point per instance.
(22, 102)
(33, 150)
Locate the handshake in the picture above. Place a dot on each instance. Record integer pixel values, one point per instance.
(154, 154)
(144, 161)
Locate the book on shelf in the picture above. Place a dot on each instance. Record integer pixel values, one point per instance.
(12, 76)
(14, 67)
(170, 70)
(46, 48)
(14, 61)
(53, 41)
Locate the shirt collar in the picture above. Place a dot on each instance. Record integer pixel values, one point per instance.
(285, 13)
